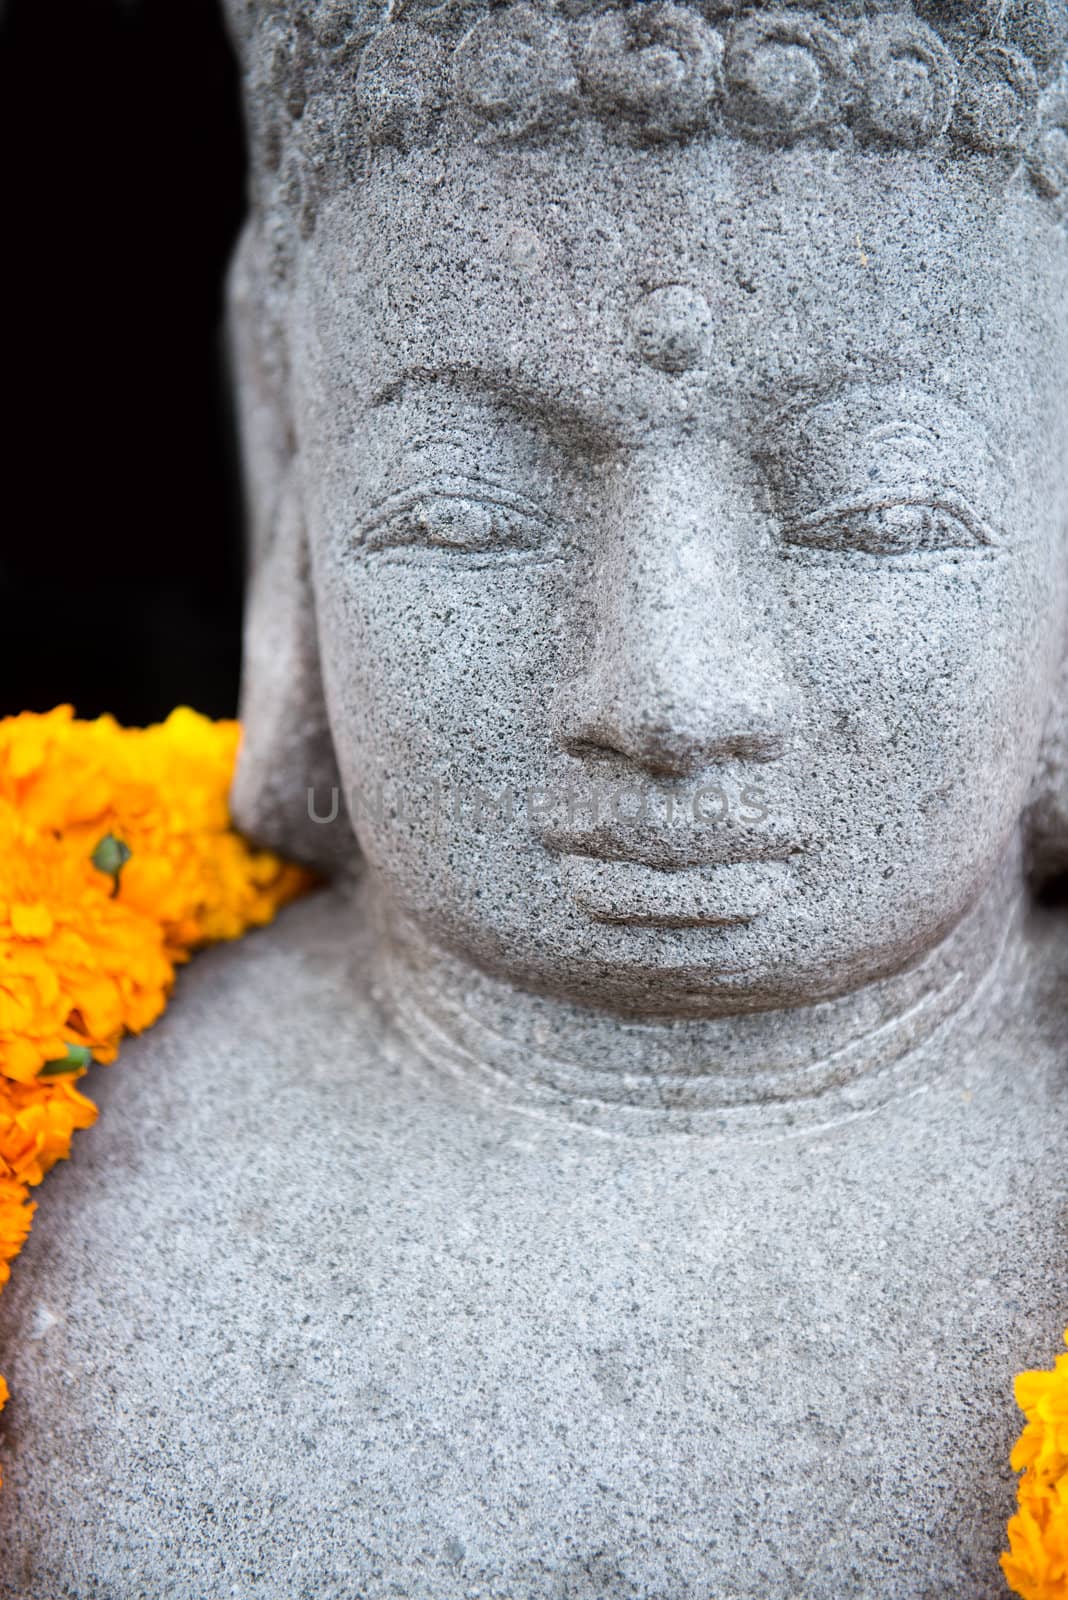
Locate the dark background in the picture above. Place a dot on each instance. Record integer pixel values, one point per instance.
(123, 160)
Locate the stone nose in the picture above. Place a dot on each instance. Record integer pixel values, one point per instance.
(664, 736)
(676, 673)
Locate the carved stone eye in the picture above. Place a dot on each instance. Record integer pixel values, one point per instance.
(894, 528)
(458, 522)
(514, 70)
(658, 65)
(909, 83)
(787, 73)
(997, 98)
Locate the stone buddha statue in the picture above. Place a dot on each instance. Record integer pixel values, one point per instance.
(641, 1173)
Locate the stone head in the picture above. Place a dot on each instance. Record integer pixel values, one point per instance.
(657, 432)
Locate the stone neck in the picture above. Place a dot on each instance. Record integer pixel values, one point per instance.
(757, 1076)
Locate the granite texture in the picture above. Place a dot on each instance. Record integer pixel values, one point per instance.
(718, 463)
(657, 441)
(308, 1316)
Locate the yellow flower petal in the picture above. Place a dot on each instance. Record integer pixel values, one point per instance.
(80, 964)
(1036, 1563)
(32, 922)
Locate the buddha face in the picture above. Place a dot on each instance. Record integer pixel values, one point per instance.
(688, 534)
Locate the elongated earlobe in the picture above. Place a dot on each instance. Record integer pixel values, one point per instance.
(1046, 818)
(287, 791)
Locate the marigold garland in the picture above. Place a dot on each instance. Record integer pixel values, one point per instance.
(1036, 1564)
(117, 860)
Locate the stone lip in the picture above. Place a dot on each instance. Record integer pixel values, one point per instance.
(675, 846)
(638, 894)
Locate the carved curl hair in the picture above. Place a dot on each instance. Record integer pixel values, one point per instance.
(332, 80)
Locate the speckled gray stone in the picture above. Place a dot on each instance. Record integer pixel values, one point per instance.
(307, 1316)
(641, 1176)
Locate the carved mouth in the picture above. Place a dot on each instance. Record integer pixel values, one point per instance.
(637, 894)
(724, 844)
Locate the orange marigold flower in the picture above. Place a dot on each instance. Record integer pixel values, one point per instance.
(87, 955)
(1036, 1564)
(117, 860)
(16, 1214)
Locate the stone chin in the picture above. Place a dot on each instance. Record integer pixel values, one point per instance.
(723, 487)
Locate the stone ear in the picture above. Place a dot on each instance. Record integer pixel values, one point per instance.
(1046, 817)
(287, 790)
